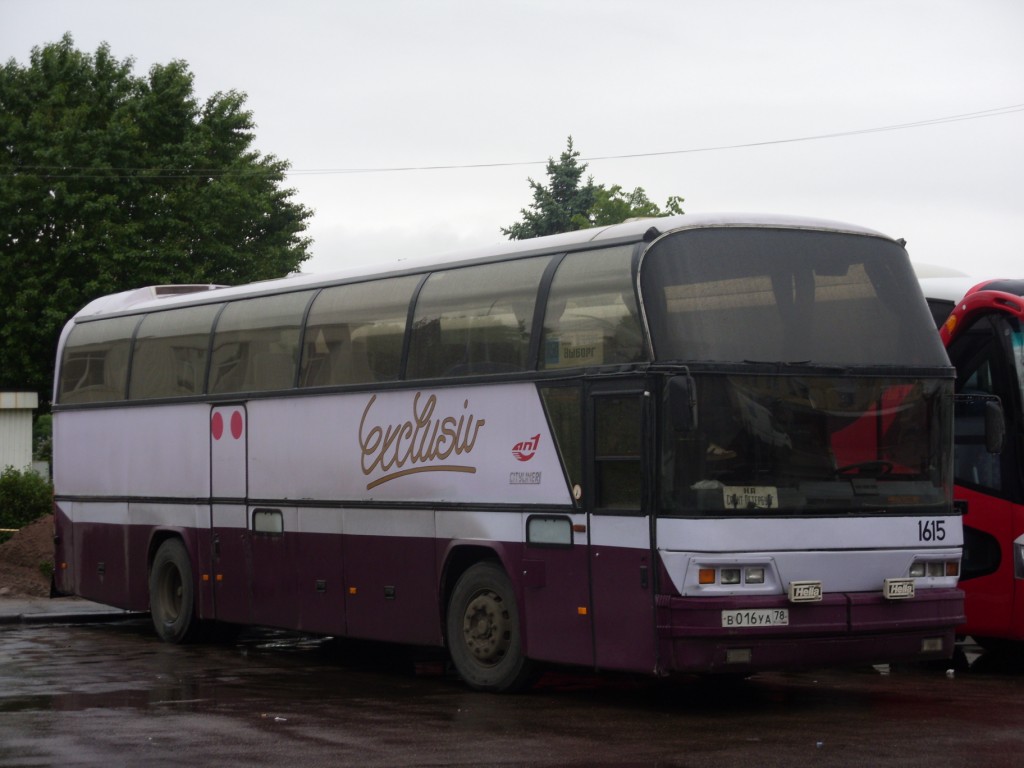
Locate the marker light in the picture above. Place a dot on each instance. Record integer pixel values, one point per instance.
(733, 575)
(754, 576)
(934, 569)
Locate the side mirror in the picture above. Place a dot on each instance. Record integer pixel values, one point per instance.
(979, 418)
(682, 403)
(995, 426)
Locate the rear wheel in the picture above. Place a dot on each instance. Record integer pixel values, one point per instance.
(172, 593)
(483, 631)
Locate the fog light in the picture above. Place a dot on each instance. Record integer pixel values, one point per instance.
(936, 568)
(917, 569)
(755, 576)
(931, 645)
(730, 575)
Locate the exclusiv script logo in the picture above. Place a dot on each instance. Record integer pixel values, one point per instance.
(424, 442)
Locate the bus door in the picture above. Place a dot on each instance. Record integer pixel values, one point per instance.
(621, 564)
(228, 512)
(555, 565)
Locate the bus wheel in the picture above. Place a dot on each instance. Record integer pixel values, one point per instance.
(483, 631)
(172, 593)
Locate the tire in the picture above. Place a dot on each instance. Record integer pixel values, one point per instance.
(172, 593)
(483, 631)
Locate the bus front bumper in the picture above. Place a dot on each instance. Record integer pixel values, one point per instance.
(745, 635)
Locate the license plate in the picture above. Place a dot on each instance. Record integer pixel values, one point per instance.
(761, 617)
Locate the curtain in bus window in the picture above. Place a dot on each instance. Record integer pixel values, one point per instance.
(169, 356)
(94, 366)
(475, 320)
(256, 344)
(591, 316)
(354, 333)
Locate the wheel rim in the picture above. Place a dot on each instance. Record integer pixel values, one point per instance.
(487, 628)
(171, 589)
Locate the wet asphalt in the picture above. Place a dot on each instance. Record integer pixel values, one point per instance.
(83, 685)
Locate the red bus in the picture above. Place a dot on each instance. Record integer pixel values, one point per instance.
(690, 444)
(980, 322)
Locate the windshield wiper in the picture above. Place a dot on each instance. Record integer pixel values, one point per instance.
(873, 468)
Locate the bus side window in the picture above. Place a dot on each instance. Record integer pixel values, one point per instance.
(169, 359)
(354, 333)
(617, 469)
(475, 320)
(564, 411)
(256, 346)
(95, 364)
(591, 316)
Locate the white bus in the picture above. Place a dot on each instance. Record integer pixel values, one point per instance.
(688, 444)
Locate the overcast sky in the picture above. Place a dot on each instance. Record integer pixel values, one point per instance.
(340, 87)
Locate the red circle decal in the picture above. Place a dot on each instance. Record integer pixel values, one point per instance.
(236, 424)
(217, 426)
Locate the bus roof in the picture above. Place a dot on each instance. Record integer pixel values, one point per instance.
(635, 230)
(956, 287)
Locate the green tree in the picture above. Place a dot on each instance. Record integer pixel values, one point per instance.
(24, 497)
(557, 206)
(566, 204)
(613, 206)
(109, 181)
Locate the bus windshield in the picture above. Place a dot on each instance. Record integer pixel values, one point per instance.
(810, 445)
(792, 296)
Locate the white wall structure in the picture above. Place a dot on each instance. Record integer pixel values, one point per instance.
(16, 428)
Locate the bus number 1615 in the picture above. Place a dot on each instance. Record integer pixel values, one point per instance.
(931, 530)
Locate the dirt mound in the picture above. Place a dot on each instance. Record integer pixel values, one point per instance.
(21, 558)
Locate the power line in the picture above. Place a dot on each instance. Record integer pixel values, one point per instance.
(61, 172)
(897, 127)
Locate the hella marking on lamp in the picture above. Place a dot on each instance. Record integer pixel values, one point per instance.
(898, 589)
(804, 591)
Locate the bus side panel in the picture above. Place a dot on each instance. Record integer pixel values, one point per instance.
(318, 572)
(391, 575)
(230, 570)
(623, 593)
(990, 597)
(556, 596)
(63, 547)
(100, 553)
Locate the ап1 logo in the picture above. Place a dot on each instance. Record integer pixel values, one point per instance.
(527, 449)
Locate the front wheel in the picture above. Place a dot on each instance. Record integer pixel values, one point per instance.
(172, 593)
(483, 631)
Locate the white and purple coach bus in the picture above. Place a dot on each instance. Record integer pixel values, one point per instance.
(689, 444)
